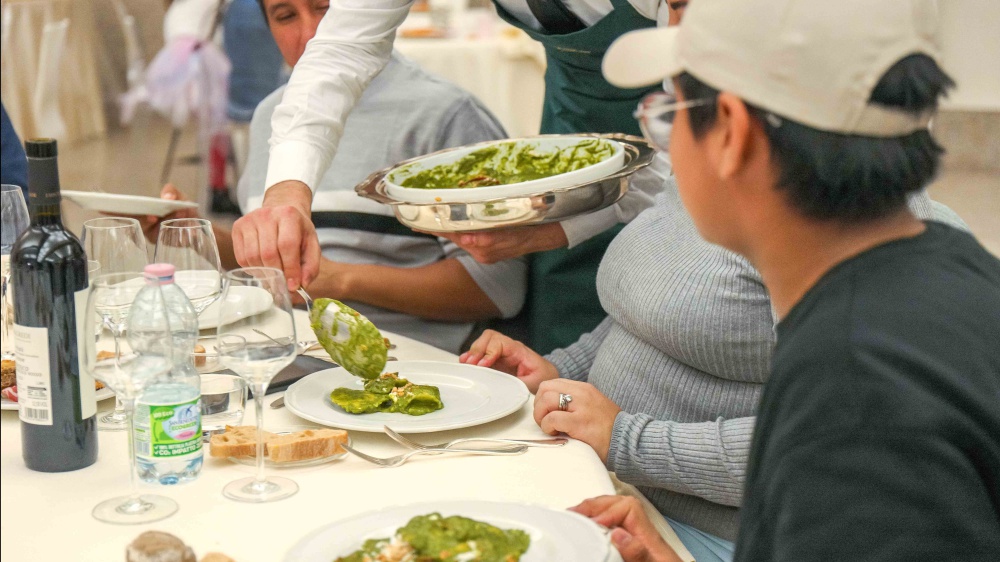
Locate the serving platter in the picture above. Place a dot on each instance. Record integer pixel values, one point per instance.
(504, 151)
(555, 534)
(557, 202)
(471, 395)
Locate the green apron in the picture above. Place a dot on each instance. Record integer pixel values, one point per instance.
(562, 292)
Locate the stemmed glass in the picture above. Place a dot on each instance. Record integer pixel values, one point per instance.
(117, 245)
(189, 245)
(257, 358)
(139, 362)
(14, 218)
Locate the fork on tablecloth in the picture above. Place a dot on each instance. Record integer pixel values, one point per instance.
(400, 459)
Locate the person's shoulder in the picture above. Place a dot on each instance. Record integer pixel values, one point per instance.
(402, 79)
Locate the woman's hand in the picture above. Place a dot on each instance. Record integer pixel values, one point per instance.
(589, 417)
(632, 532)
(502, 353)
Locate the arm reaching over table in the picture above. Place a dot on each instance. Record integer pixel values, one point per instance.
(352, 44)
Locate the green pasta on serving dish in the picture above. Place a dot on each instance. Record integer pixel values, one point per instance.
(508, 163)
(432, 538)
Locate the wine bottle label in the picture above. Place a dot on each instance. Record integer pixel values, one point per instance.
(165, 431)
(88, 393)
(34, 379)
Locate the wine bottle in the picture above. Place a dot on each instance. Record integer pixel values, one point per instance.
(56, 396)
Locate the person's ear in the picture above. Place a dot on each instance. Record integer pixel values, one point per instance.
(735, 117)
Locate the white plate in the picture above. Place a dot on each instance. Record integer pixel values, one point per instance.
(555, 534)
(471, 396)
(126, 204)
(478, 194)
(102, 394)
(257, 300)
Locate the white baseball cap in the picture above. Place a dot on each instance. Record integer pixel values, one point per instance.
(811, 61)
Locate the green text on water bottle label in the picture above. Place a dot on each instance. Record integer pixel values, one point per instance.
(169, 431)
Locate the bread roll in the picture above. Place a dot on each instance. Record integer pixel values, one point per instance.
(157, 546)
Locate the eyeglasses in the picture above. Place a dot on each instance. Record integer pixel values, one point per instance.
(656, 116)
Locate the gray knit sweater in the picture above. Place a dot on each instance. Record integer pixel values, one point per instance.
(685, 351)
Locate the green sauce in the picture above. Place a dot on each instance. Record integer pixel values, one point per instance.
(436, 538)
(350, 338)
(389, 393)
(507, 163)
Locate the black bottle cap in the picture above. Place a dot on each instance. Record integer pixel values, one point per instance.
(40, 148)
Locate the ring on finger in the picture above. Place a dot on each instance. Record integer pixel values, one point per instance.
(564, 400)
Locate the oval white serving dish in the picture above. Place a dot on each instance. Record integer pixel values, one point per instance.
(593, 172)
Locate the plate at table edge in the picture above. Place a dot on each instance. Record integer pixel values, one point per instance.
(252, 461)
(122, 203)
(474, 509)
(357, 422)
(102, 394)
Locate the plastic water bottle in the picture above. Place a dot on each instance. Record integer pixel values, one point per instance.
(167, 434)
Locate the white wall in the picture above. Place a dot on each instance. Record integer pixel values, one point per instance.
(970, 37)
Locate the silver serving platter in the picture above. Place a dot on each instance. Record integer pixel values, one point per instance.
(549, 206)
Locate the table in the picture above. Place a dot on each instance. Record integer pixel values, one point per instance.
(47, 516)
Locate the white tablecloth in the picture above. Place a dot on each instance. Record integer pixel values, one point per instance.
(505, 72)
(47, 516)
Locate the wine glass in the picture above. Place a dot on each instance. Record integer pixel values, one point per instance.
(139, 362)
(245, 349)
(117, 245)
(14, 217)
(189, 245)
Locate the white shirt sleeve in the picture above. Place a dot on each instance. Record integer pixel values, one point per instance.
(352, 45)
(643, 188)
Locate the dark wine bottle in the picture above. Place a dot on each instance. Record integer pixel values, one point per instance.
(57, 402)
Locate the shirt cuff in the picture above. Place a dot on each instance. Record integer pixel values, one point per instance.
(622, 420)
(296, 160)
(580, 229)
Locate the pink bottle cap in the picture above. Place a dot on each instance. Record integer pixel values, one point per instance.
(160, 272)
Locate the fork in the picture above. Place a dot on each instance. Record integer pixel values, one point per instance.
(398, 438)
(400, 459)
(304, 345)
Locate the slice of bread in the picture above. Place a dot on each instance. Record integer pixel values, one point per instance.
(241, 441)
(307, 444)
(238, 441)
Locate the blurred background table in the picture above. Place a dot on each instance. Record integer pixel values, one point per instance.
(505, 71)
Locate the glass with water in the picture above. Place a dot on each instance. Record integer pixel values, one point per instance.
(223, 400)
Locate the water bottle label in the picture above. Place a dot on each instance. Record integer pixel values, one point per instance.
(88, 392)
(34, 378)
(173, 430)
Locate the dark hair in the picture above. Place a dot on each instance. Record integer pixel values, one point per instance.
(847, 177)
(262, 8)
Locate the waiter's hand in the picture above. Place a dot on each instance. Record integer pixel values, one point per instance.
(499, 245)
(281, 234)
(632, 532)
